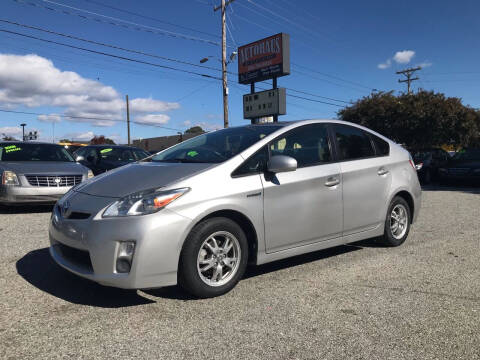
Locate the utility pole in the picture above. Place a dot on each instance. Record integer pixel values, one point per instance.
(222, 7)
(128, 121)
(408, 73)
(23, 131)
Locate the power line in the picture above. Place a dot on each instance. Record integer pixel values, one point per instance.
(150, 18)
(111, 55)
(146, 54)
(117, 22)
(333, 77)
(287, 20)
(87, 118)
(109, 45)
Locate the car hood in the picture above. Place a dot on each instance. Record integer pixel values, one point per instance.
(139, 176)
(44, 167)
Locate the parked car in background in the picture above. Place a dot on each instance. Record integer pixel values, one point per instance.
(198, 212)
(71, 147)
(33, 172)
(464, 166)
(427, 163)
(101, 158)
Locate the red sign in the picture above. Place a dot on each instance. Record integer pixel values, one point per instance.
(264, 59)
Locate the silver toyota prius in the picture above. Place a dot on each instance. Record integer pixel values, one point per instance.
(197, 213)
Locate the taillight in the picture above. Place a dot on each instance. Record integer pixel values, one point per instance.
(412, 163)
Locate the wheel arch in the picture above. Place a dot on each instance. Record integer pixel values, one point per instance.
(405, 195)
(244, 222)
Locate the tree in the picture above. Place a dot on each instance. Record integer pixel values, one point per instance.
(417, 120)
(101, 139)
(8, 138)
(195, 130)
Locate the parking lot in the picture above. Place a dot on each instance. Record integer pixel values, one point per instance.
(418, 301)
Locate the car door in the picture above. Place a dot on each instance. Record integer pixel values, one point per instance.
(303, 206)
(365, 175)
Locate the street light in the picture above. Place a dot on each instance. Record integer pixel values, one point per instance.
(23, 131)
(224, 63)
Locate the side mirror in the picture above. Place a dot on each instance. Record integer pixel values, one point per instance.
(281, 163)
(79, 158)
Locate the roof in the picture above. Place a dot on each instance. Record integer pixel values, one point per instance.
(28, 142)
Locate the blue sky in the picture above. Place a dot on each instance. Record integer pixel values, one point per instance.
(340, 50)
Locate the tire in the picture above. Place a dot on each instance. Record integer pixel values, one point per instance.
(206, 250)
(396, 235)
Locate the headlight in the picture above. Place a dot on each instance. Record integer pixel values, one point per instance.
(143, 202)
(9, 178)
(418, 166)
(90, 174)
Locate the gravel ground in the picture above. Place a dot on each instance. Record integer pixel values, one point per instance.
(418, 301)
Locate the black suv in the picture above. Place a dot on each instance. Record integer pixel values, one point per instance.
(101, 158)
(428, 161)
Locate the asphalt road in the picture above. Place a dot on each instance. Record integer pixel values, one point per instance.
(418, 301)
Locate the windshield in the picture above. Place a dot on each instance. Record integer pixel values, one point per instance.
(217, 146)
(24, 151)
(468, 154)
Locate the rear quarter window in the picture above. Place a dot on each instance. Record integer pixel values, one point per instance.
(381, 146)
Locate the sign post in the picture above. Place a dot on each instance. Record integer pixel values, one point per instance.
(261, 60)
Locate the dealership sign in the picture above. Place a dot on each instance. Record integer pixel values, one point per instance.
(264, 59)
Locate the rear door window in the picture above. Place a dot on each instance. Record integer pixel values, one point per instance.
(353, 143)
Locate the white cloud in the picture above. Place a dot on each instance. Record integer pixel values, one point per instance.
(82, 136)
(152, 119)
(187, 123)
(425, 64)
(403, 57)
(32, 81)
(51, 118)
(209, 126)
(151, 105)
(10, 131)
(400, 57)
(385, 65)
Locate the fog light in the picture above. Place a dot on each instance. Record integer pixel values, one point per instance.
(125, 253)
(123, 266)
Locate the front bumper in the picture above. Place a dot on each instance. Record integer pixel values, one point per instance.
(89, 247)
(24, 194)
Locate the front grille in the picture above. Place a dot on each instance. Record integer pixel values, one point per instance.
(54, 180)
(80, 258)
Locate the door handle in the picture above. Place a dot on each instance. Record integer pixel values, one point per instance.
(332, 181)
(382, 171)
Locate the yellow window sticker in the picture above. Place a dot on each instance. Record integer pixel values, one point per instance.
(12, 148)
(104, 151)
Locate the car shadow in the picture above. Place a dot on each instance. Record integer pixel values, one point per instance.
(24, 209)
(38, 268)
